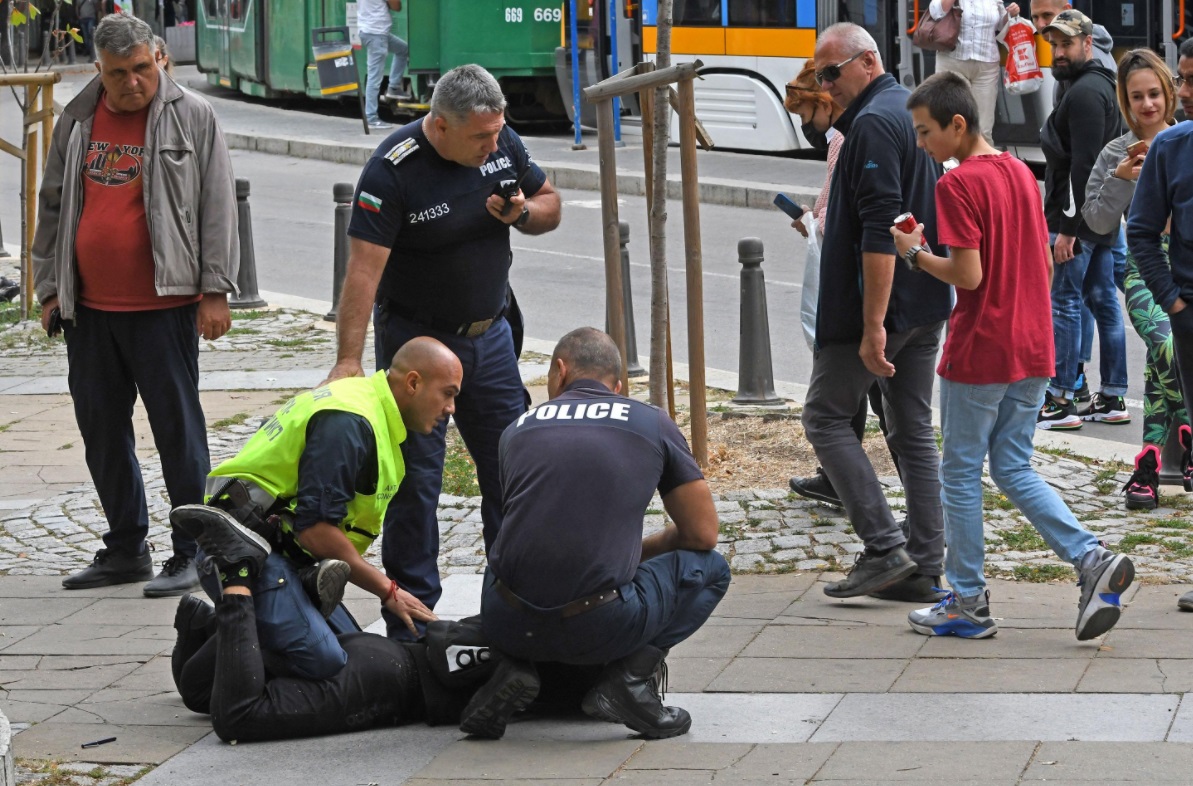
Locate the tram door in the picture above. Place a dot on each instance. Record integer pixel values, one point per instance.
(879, 17)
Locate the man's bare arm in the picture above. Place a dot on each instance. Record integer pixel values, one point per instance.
(366, 262)
(696, 527)
(878, 275)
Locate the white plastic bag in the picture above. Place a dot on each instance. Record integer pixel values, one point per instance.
(810, 295)
(1023, 74)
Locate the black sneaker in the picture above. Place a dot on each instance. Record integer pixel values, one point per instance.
(871, 573)
(1143, 489)
(1081, 395)
(221, 537)
(817, 487)
(1058, 414)
(178, 576)
(1185, 434)
(112, 567)
(512, 687)
(324, 583)
(1107, 409)
(916, 588)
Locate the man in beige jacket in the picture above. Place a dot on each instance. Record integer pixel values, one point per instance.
(135, 252)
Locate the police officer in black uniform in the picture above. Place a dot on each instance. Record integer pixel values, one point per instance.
(430, 256)
(570, 578)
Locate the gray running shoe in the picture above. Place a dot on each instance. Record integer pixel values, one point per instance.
(968, 618)
(1102, 583)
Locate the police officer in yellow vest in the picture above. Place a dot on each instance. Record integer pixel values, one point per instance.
(315, 481)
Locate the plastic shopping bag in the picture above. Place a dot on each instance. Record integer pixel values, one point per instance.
(1023, 74)
(810, 295)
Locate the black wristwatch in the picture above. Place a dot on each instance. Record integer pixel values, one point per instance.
(522, 219)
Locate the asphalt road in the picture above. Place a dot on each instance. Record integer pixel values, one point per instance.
(558, 277)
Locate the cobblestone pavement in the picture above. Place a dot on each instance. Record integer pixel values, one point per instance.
(763, 530)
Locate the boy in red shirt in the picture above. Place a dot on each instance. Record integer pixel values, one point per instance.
(996, 363)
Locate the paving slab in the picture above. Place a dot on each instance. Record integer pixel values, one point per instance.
(96, 640)
(897, 762)
(992, 717)
(800, 675)
(1007, 675)
(123, 611)
(51, 676)
(778, 763)
(381, 756)
(1138, 675)
(1182, 725)
(686, 755)
(693, 675)
(134, 744)
(1022, 643)
(835, 642)
(754, 605)
(756, 718)
(794, 583)
(1128, 643)
(526, 759)
(1135, 763)
(721, 641)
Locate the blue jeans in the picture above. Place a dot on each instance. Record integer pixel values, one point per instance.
(1088, 278)
(288, 624)
(492, 397)
(998, 421)
(377, 46)
(667, 601)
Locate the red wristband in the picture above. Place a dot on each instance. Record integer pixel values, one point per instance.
(393, 591)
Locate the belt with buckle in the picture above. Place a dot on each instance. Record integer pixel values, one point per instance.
(465, 329)
(572, 609)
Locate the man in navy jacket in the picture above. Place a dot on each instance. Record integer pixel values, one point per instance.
(877, 319)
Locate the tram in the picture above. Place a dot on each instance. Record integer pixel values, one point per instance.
(263, 47)
(751, 48)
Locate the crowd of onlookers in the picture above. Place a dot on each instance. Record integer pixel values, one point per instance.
(1032, 278)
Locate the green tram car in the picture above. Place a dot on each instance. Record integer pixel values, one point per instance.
(264, 47)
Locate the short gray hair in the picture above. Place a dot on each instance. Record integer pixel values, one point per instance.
(853, 36)
(590, 352)
(465, 90)
(120, 34)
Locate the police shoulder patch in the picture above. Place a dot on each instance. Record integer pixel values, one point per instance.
(401, 150)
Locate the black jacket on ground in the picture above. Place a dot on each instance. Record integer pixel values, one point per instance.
(880, 173)
(1086, 119)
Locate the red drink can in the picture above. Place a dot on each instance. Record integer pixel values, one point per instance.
(906, 223)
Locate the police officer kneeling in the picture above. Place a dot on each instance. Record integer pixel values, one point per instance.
(570, 578)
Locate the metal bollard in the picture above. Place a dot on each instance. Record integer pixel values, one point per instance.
(341, 193)
(246, 278)
(1172, 472)
(633, 368)
(755, 375)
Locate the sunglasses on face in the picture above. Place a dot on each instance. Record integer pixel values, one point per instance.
(833, 73)
(1178, 81)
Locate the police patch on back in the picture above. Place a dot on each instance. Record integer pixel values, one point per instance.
(401, 150)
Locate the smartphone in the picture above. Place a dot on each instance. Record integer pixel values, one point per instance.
(55, 323)
(785, 203)
(1137, 148)
(509, 193)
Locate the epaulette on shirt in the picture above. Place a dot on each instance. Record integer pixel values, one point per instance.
(401, 150)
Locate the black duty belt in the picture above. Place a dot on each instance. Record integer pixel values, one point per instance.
(572, 609)
(466, 329)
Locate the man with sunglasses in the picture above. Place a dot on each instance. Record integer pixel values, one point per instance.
(878, 320)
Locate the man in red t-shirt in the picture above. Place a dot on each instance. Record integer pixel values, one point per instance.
(996, 363)
(136, 250)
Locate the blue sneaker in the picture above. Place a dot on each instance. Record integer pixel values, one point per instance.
(968, 618)
(1103, 577)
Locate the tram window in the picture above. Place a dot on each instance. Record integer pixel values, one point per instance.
(697, 13)
(762, 13)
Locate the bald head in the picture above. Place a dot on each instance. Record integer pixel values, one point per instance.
(585, 353)
(425, 378)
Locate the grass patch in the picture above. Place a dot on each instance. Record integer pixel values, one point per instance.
(235, 420)
(1054, 451)
(1178, 548)
(238, 331)
(459, 472)
(286, 342)
(5, 427)
(1129, 542)
(250, 314)
(1105, 481)
(993, 500)
(1171, 524)
(1023, 538)
(51, 773)
(67, 446)
(1040, 574)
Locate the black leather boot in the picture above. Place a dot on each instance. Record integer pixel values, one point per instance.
(628, 693)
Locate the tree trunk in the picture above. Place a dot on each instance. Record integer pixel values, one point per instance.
(659, 305)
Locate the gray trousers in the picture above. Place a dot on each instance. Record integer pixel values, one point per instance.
(838, 386)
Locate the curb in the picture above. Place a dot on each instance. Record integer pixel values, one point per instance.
(582, 177)
(8, 773)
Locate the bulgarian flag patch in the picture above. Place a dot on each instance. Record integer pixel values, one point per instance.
(369, 202)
